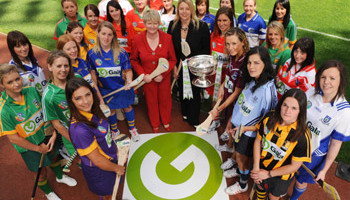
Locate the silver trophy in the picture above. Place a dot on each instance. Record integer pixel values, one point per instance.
(202, 66)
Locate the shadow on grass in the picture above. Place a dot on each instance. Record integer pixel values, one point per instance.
(3, 6)
(32, 10)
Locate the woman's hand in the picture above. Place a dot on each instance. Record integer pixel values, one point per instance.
(158, 78)
(147, 78)
(221, 93)
(229, 129)
(120, 170)
(321, 175)
(255, 171)
(175, 74)
(52, 140)
(259, 175)
(214, 113)
(127, 86)
(43, 148)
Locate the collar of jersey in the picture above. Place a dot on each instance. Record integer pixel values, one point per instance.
(86, 114)
(287, 128)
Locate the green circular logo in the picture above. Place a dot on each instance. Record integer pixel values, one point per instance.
(102, 72)
(240, 99)
(281, 87)
(174, 166)
(29, 126)
(265, 144)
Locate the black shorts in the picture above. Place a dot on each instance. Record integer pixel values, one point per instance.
(245, 145)
(276, 186)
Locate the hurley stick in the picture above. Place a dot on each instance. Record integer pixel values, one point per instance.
(332, 193)
(202, 128)
(163, 66)
(177, 72)
(238, 134)
(132, 84)
(105, 109)
(123, 144)
(252, 192)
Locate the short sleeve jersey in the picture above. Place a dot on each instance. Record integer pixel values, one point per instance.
(252, 106)
(86, 139)
(210, 20)
(233, 76)
(277, 148)
(165, 19)
(81, 69)
(62, 25)
(110, 73)
(156, 4)
(24, 118)
(304, 79)
(34, 76)
(137, 21)
(55, 105)
(279, 57)
(327, 121)
(90, 36)
(255, 28)
(127, 39)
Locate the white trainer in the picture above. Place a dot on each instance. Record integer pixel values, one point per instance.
(52, 196)
(223, 148)
(67, 180)
(214, 125)
(134, 135)
(231, 173)
(224, 136)
(236, 189)
(228, 164)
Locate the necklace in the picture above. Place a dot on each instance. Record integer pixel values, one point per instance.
(184, 28)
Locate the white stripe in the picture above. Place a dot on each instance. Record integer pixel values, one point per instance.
(308, 30)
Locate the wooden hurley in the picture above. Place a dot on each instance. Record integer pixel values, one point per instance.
(132, 84)
(177, 71)
(105, 109)
(202, 128)
(185, 48)
(163, 66)
(238, 133)
(123, 144)
(332, 193)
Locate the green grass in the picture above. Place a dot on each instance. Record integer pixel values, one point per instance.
(37, 19)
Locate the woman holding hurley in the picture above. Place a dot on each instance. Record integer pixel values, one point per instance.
(148, 47)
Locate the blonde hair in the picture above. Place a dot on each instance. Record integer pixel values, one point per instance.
(5, 69)
(248, 0)
(63, 40)
(151, 15)
(115, 43)
(241, 36)
(278, 27)
(194, 18)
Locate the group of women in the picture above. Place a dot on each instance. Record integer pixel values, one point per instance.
(278, 111)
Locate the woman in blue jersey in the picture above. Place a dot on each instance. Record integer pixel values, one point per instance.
(258, 97)
(230, 4)
(111, 64)
(21, 120)
(202, 12)
(23, 57)
(327, 111)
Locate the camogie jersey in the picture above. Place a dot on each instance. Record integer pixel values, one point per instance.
(102, 6)
(277, 150)
(81, 70)
(155, 4)
(86, 139)
(233, 77)
(34, 76)
(136, 19)
(255, 28)
(278, 57)
(165, 19)
(304, 79)
(251, 107)
(210, 20)
(290, 31)
(83, 51)
(61, 25)
(90, 36)
(126, 40)
(327, 121)
(24, 118)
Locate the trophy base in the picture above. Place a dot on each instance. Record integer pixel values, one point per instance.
(202, 83)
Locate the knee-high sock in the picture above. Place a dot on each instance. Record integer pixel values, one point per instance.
(260, 193)
(56, 168)
(130, 117)
(244, 178)
(297, 192)
(44, 186)
(113, 122)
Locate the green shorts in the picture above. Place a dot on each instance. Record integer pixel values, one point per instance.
(32, 158)
(69, 146)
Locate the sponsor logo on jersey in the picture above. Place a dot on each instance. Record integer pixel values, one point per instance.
(326, 120)
(214, 45)
(296, 82)
(245, 107)
(63, 105)
(281, 87)
(284, 74)
(109, 72)
(234, 75)
(38, 87)
(20, 117)
(98, 62)
(250, 30)
(134, 24)
(67, 114)
(309, 104)
(92, 41)
(33, 123)
(272, 148)
(31, 78)
(102, 129)
(36, 103)
(313, 129)
(117, 62)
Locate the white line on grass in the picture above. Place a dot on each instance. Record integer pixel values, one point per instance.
(309, 30)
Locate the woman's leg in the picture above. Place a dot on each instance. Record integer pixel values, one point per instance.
(298, 190)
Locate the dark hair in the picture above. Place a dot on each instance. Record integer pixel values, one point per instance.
(16, 38)
(285, 4)
(233, 7)
(72, 85)
(73, 25)
(117, 6)
(222, 11)
(268, 72)
(57, 54)
(198, 2)
(93, 8)
(306, 45)
(300, 96)
(343, 77)
(241, 36)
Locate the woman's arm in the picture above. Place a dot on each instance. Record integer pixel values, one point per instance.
(256, 159)
(333, 151)
(288, 169)
(103, 163)
(60, 128)
(19, 141)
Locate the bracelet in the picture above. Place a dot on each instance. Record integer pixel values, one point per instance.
(269, 174)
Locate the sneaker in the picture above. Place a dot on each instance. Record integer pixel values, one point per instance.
(134, 135)
(67, 180)
(115, 134)
(231, 173)
(136, 100)
(236, 189)
(214, 125)
(228, 164)
(224, 136)
(52, 196)
(224, 148)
